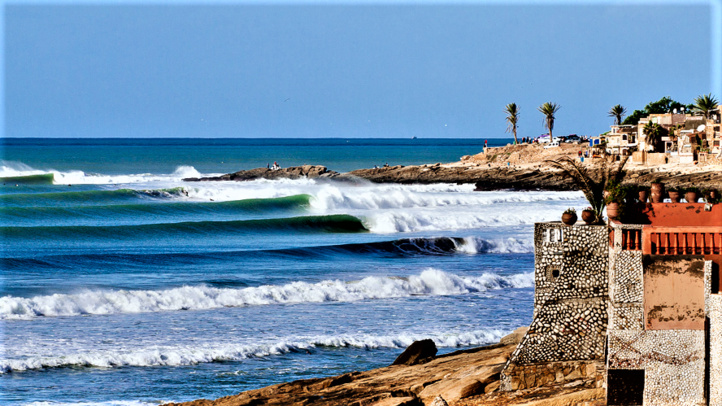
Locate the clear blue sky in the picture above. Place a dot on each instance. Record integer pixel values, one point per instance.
(344, 69)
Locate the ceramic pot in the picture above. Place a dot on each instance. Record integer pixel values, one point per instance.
(674, 196)
(691, 197)
(613, 210)
(657, 192)
(569, 218)
(588, 216)
(643, 194)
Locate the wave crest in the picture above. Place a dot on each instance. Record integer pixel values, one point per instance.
(95, 302)
(188, 355)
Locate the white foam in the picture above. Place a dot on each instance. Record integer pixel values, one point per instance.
(428, 282)
(406, 221)
(77, 177)
(215, 352)
(474, 245)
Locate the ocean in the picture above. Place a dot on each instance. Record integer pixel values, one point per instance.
(123, 285)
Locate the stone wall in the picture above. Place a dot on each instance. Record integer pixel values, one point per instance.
(556, 373)
(672, 361)
(570, 300)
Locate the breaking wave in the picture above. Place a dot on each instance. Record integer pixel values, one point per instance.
(19, 170)
(338, 223)
(188, 355)
(431, 282)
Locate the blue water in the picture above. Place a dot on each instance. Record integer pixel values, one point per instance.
(123, 285)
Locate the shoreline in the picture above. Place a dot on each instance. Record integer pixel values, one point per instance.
(467, 377)
(514, 167)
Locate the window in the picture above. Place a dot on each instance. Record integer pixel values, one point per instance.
(625, 387)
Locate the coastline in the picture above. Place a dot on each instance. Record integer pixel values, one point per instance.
(515, 167)
(468, 377)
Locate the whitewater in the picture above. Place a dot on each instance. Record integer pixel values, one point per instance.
(124, 285)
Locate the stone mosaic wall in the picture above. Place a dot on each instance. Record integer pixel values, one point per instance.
(570, 300)
(673, 360)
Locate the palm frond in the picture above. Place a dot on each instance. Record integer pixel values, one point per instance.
(591, 180)
(705, 104)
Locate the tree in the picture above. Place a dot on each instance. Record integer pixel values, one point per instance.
(705, 104)
(618, 112)
(661, 106)
(592, 180)
(549, 109)
(654, 133)
(512, 117)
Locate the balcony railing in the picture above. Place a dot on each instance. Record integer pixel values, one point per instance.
(682, 242)
(631, 240)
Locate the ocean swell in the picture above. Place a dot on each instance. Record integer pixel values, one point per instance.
(431, 282)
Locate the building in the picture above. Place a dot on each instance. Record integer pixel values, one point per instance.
(687, 138)
(622, 139)
(635, 306)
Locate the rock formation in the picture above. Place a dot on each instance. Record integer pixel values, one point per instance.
(417, 353)
(462, 378)
(294, 172)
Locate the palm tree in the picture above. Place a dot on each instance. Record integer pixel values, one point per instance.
(705, 104)
(618, 112)
(592, 179)
(654, 133)
(512, 117)
(549, 109)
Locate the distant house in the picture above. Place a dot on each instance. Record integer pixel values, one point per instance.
(686, 137)
(622, 139)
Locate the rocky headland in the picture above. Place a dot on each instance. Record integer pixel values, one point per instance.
(418, 378)
(517, 167)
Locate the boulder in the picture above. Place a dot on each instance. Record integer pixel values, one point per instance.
(418, 352)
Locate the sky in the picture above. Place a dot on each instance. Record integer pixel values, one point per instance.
(346, 68)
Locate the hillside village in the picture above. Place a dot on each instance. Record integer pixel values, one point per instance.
(675, 137)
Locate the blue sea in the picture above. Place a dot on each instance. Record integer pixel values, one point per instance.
(123, 285)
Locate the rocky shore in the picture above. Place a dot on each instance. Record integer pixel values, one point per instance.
(462, 378)
(485, 177)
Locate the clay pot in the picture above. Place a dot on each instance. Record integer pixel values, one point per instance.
(674, 196)
(643, 194)
(613, 210)
(588, 216)
(691, 197)
(569, 218)
(657, 192)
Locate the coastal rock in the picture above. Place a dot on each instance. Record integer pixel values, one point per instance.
(463, 378)
(294, 172)
(418, 352)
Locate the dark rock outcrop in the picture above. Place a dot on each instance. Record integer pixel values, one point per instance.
(417, 353)
(294, 172)
(538, 177)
